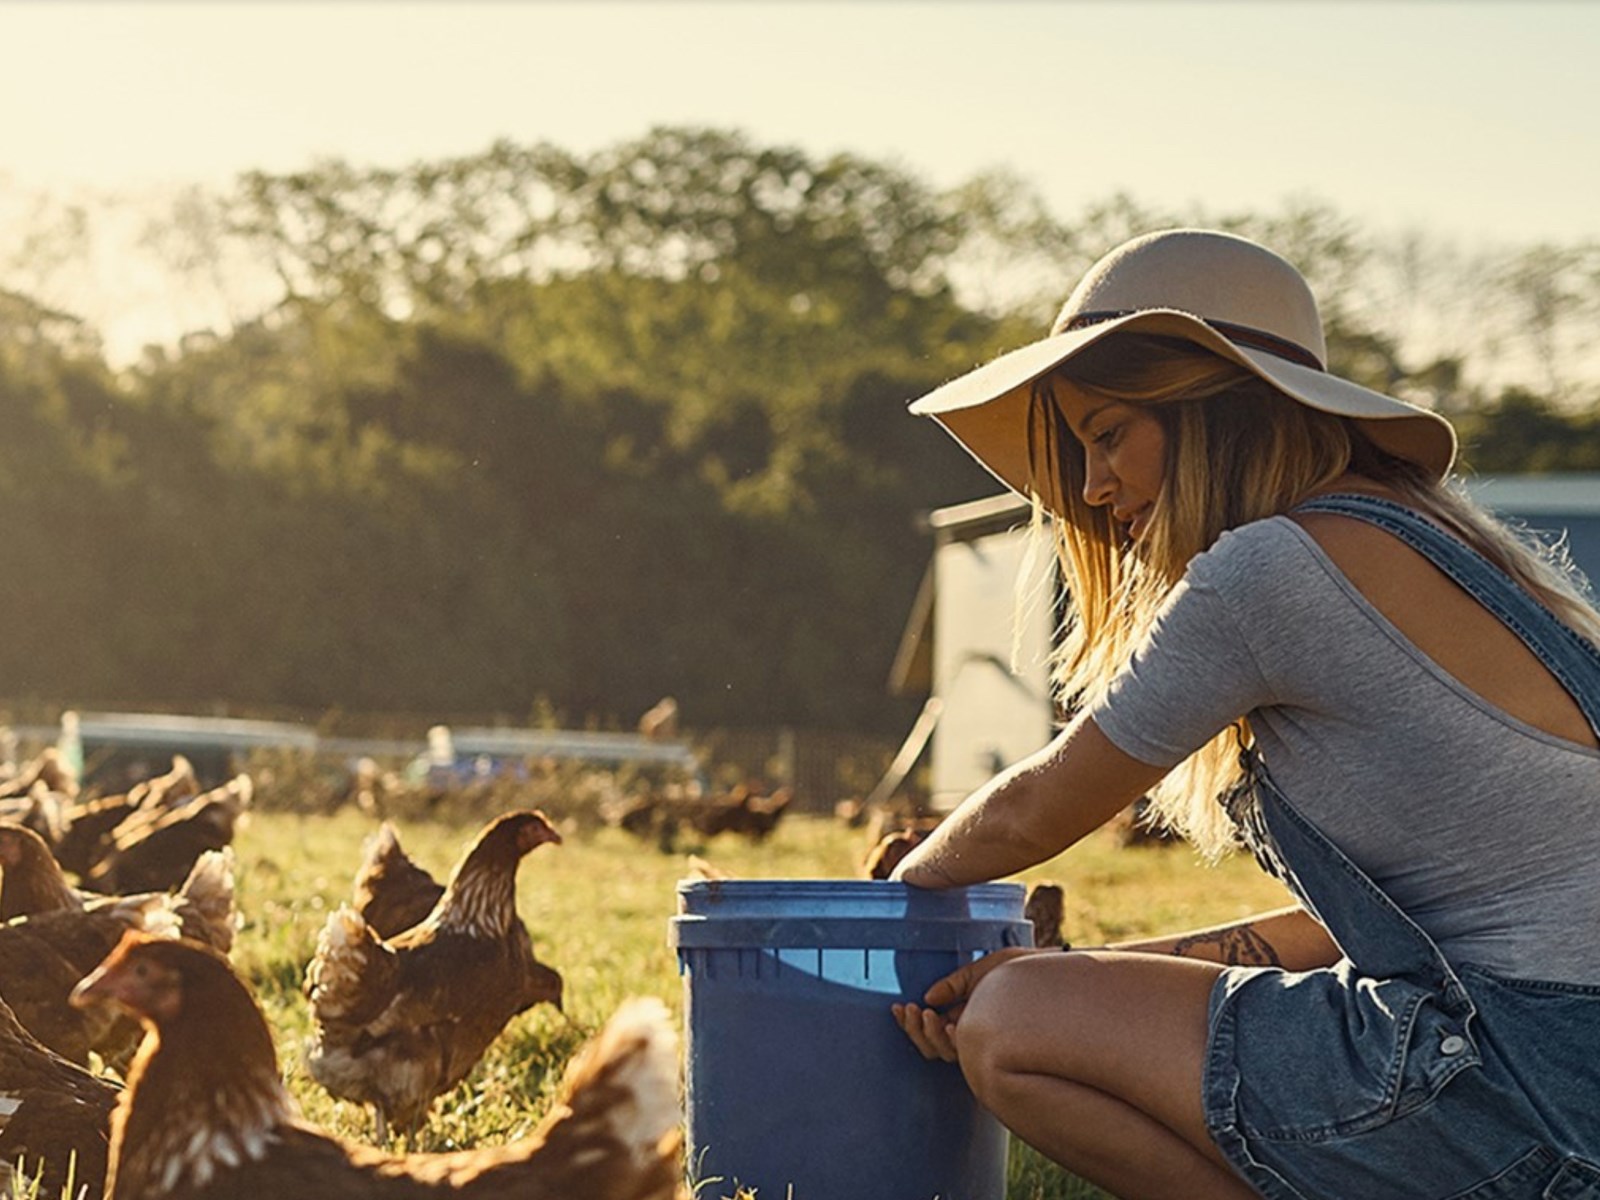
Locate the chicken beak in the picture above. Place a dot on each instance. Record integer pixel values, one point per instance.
(100, 986)
(538, 833)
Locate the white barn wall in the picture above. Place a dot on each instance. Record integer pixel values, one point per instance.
(991, 716)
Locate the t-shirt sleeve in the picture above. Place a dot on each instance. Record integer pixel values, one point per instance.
(1193, 674)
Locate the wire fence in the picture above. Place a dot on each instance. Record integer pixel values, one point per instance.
(822, 766)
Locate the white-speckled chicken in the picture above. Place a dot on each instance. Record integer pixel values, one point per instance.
(400, 1022)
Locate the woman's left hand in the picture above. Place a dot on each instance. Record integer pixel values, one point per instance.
(931, 1026)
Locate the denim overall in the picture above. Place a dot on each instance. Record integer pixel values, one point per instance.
(1395, 1073)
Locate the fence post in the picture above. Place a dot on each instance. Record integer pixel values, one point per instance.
(787, 757)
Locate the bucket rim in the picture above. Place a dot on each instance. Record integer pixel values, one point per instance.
(875, 888)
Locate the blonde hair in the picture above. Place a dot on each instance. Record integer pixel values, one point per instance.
(1237, 450)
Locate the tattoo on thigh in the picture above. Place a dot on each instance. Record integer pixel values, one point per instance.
(1242, 947)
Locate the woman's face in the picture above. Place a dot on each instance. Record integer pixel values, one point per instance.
(1124, 455)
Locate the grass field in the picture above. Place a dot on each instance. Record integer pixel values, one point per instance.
(598, 906)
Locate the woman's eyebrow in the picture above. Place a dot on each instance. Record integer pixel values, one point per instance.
(1088, 419)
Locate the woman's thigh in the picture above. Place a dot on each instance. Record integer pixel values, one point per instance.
(1130, 1025)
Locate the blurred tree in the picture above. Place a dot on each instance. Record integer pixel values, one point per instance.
(1521, 431)
(529, 426)
(1549, 285)
(66, 467)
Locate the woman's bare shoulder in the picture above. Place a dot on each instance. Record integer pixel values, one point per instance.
(1369, 557)
(1345, 538)
(1462, 637)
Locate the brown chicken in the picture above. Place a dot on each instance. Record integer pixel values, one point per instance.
(43, 955)
(153, 849)
(41, 810)
(32, 882)
(34, 980)
(49, 770)
(886, 854)
(88, 831)
(204, 902)
(39, 795)
(206, 1117)
(392, 893)
(744, 809)
(399, 1022)
(1136, 826)
(1044, 908)
(89, 823)
(761, 813)
(54, 1115)
(179, 783)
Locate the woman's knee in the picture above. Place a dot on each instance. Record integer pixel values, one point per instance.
(996, 1027)
(1126, 1026)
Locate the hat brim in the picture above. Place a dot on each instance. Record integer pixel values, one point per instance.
(986, 410)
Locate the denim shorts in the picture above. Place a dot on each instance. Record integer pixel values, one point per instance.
(1324, 1085)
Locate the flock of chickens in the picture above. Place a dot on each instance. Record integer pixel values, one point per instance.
(409, 985)
(749, 809)
(127, 969)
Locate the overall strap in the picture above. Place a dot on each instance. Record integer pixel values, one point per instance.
(1571, 658)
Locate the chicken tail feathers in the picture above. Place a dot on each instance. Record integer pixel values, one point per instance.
(615, 1132)
(352, 973)
(205, 901)
(382, 846)
(154, 913)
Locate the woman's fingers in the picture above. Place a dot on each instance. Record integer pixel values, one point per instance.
(951, 988)
(933, 1033)
(957, 986)
(940, 1032)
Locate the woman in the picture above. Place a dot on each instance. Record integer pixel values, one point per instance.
(1296, 636)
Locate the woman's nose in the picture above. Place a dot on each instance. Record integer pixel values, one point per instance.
(1098, 480)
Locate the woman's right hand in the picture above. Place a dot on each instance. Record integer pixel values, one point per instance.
(931, 1025)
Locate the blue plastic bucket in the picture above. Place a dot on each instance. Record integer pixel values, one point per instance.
(799, 1083)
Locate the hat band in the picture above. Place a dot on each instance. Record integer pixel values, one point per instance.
(1257, 339)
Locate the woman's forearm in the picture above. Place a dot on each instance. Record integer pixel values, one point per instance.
(1288, 937)
(979, 841)
(1030, 811)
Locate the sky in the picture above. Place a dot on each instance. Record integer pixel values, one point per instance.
(1472, 121)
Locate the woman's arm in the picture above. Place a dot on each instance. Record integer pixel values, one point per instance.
(1031, 811)
(1050, 800)
(1287, 937)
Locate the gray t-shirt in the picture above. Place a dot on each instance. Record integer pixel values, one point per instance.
(1485, 830)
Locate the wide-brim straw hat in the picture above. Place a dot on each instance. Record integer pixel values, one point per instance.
(1223, 293)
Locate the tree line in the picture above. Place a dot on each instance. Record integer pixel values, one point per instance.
(530, 432)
